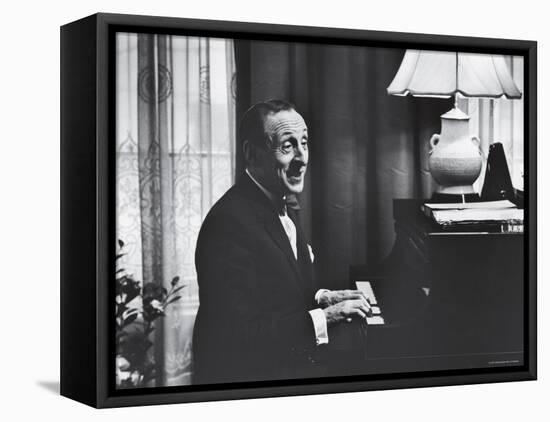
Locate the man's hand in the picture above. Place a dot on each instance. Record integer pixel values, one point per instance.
(346, 310)
(332, 297)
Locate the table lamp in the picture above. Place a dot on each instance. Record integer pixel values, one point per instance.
(455, 158)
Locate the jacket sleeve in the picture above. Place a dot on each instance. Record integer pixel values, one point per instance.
(232, 304)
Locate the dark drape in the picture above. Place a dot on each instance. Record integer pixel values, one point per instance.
(366, 147)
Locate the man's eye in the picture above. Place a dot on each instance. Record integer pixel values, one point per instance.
(304, 144)
(287, 146)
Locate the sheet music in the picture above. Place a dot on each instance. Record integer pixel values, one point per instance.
(511, 215)
(502, 204)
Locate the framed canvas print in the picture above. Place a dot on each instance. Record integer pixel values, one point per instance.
(253, 210)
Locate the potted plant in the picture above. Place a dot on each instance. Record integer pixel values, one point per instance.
(137, 310)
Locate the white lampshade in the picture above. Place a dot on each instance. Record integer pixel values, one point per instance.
(443, 74)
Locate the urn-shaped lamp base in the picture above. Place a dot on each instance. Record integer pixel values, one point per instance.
(455, 157)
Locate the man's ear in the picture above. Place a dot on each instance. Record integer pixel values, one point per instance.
(248, 151)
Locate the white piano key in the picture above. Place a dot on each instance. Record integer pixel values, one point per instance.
(375, 320)
(366, 288)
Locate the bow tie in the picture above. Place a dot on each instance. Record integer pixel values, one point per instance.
(290, 201)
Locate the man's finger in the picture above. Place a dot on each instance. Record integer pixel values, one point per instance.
(365, 303)
(362, 299)
(361, 305)
(360, 293)
(367, 311)
(365, 307)
(359, 312)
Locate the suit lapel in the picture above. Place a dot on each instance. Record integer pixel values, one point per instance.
(304, 257)
(266, 213)
(276, 231)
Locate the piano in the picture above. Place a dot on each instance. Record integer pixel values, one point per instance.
(443, 300)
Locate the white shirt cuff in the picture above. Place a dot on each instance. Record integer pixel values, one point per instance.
(320, 325)
(319, 293)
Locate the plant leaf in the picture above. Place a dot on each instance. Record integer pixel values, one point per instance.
(173, 300)
(175, 281)
(177, 289)
(129, 319)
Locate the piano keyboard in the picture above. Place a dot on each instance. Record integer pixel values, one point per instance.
(366, 288)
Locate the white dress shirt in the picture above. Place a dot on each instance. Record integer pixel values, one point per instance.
(317, 315)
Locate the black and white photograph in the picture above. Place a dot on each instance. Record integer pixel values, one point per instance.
(290, 211)
(275, 211)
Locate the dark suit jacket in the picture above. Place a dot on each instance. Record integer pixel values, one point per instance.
(253, 321)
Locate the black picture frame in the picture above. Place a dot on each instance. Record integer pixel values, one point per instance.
(88, 244)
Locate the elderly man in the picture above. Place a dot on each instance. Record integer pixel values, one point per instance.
(261, 316)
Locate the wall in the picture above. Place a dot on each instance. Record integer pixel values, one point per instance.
(29, 172)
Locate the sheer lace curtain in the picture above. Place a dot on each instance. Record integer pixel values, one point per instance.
(500, 120)
(175, 157)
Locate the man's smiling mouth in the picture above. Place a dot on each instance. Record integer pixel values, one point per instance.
(295, 171)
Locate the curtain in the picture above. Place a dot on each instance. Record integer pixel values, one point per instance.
(366, 147)
(500, 120)
(175, 157)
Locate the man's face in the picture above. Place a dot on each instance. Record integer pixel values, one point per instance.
(283, 165)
